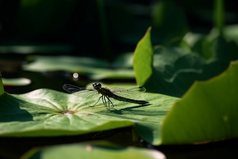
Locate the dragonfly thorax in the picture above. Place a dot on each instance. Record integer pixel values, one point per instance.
(97, 85)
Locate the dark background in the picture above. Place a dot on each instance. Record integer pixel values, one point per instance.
(78, 24)
(101, 29)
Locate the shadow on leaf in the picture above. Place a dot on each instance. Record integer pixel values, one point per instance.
(10, 110)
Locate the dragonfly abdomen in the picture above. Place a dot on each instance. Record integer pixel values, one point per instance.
(128, 100)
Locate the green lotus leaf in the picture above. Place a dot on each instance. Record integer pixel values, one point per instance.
(88, 151)
(45, 112)
(206, 113)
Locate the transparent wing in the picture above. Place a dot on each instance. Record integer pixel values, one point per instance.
(128, 93)
(71, 88)
(81, 91)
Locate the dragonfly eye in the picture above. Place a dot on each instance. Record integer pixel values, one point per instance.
(99, 85)
(96, 84)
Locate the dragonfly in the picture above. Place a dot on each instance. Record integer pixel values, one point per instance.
(106, 93)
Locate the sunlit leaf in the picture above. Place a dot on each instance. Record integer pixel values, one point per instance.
(143, 59)
(207, 112)
(46, 112)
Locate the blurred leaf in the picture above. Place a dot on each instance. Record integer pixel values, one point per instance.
(174, 68)
(191, 38)
(91, 151)
(230, 32)
(179, 43)
(93, 68)
(201, 44)
(33, 48)
(210, 49)
(169, 21)
(203, 48)
(204, 44)
(46, 112)
(206, 113)
(124, 61)
(16, 81)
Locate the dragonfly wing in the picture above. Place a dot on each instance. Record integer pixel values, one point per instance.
(80, 91)
(71, 88)
(128, 93)
(137, 89)
(89, 93)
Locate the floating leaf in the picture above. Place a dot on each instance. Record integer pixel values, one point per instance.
(45, 112)
(93, 68)
(16, 81)
(88, 151)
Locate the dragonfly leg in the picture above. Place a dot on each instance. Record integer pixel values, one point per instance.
(110, 102)
(105, 102)
(97, 101)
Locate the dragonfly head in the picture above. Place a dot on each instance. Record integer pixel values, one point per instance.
(97, 85)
